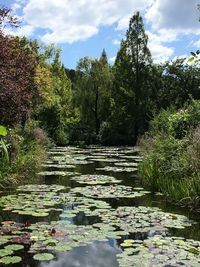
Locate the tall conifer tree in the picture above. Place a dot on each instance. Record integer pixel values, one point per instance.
(131, 71)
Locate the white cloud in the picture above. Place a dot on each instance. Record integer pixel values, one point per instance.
(196, 43)
(68, 21)
(123, 23)
(70, 34)
(141, 6)
(170, 21)
(116, 42)
(180, 16)
(112, 59)
(74, 20)
(161, 52)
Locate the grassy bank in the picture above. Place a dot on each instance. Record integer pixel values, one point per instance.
(26, 151)
(171, 151)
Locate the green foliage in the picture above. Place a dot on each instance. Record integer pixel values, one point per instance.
(171, 154)
(27, 151)
(92, 94)
(177, 123)
(131, 88)
(54, 110)
(3, 131)
(4, 156)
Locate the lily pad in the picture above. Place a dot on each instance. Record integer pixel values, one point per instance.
(5, 252)
(126, 164)
(10, 260)
(43, 257)
(14, 247)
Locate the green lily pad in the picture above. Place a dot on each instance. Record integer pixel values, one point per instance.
(5, 252)
(10, 260)
(126, 164)
(43, 257)
(14, 247)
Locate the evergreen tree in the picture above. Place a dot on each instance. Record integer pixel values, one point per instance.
(104, 59)
(132, 68)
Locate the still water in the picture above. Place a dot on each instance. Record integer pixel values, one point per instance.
(63, 164)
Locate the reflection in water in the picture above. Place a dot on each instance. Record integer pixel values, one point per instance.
(98, 254)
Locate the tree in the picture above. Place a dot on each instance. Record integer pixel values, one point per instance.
(132, 68)
(181, 82)
(104, 59)
(54, 111)
(93, 92)
(7, 19)
(17, 67)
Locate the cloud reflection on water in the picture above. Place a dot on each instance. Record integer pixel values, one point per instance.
(98, 254)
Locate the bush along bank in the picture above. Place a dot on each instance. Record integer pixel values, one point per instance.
(21, 154)
(171, 151)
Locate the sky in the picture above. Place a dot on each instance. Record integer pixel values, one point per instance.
(86, 27)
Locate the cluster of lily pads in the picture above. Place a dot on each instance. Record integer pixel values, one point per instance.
(95, 179)
(44, 240)
(40, 188)
(90, 207)
(111, 191)
(116, 169)
(74, 155)
(144, 219)
(160, 251)
(58, 166)
(57, 173)
(70, 160)
(36, 200)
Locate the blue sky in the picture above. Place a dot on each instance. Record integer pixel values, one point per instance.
(84, 27)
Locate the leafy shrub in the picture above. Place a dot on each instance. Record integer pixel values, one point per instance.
(177, 123)
(27, 152)
(61, 137)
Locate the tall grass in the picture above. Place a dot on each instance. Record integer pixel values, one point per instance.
(171, 152)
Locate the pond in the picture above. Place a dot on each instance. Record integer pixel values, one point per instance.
(90, 210)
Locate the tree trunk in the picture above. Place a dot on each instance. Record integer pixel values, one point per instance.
(97, 123)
